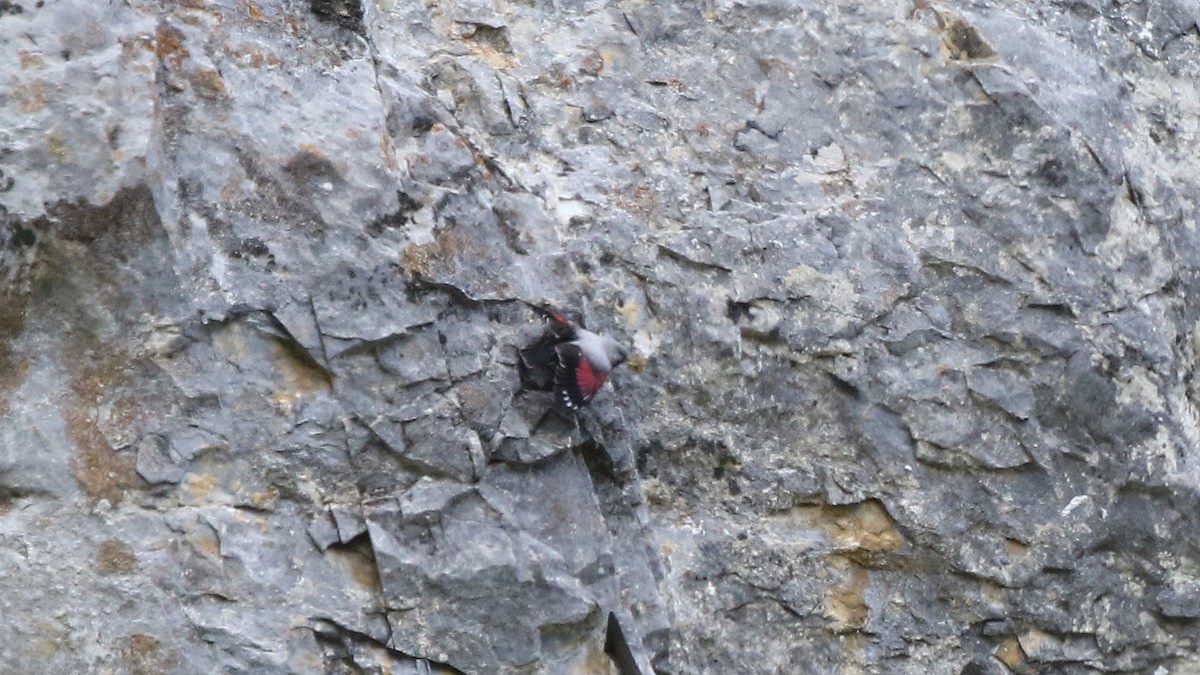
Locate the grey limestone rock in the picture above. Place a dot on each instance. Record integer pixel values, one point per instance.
(911, 291)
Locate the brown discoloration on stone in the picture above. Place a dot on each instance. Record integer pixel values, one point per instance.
(96, 369)
(359, 559)
(448, 247)
(1015, 549)
(115, 557)
(254, 12)
(386, 149)
(415, 259)
(636, 199)
(78, 281)
(168, 44)
(1011, 655)
(29, 59)
(865, 527)
(200, 485)
(252, 56)
(490, 45)
(48, 638)
(209, 83)
(30, 97)
(205, 540)
(115, 231)
(144, 655)
(592, 661)
(12, 366)
(845, 600)
(56, 143)
(302, 375)
(960, 40)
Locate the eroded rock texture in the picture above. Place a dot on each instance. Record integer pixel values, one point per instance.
(912, 288)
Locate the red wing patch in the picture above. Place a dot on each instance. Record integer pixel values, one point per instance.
(588, 379)
(575, 380)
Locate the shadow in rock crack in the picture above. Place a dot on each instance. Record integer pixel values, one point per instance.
(618, 649)
(638, 626)
(347, 650)
(359, 559)
(533, 432)
(346, 13)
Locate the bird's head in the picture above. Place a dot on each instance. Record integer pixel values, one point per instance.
(615, 351)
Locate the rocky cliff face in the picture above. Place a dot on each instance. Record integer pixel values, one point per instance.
(912, 289)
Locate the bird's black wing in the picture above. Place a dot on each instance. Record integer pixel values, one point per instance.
(539, 361)
(576, 380)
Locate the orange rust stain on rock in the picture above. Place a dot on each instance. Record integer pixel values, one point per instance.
(385, 146)
(168, 44)
(251, 56)
(115, 557)
(101, 472)
(253, 12)
(111, 393)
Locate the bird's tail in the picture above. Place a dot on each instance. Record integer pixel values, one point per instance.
(547, 311)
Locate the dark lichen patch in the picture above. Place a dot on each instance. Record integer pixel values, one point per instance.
(963, 42)
(310, 170)
(118, 230)
(491, 37)
(345, 13)
(398, 219)
(88, 285)
(251, 247)
(115, 557)
(12, 366)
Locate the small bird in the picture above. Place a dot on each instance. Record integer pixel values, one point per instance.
(569, 360)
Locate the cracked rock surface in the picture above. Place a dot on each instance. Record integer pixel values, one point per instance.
(912, 291)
